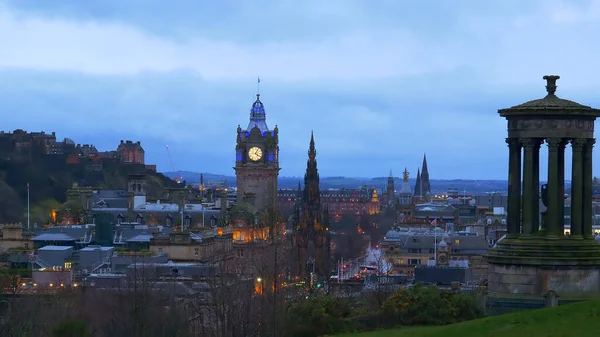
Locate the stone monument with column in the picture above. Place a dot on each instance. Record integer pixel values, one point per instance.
(535, 258)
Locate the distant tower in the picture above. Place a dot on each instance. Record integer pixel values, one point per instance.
(257, 160)
(311, 231)
(405, 195)
(405, 206)
(390, 190)
(443, 254)
(136, 184)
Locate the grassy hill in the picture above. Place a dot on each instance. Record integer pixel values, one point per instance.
(579, 319)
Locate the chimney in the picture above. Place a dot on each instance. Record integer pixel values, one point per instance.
(122, 141)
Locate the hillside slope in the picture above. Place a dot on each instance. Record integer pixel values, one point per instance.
(49, 178)
(579, 319)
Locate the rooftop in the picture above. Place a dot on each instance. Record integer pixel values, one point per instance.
(59, 248)
(53, 237)
(95, 248)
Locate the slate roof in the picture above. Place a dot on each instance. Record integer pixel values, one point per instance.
(61, 233)
(54, 248)
(471, 243)
(53, 237)
(140, 238)
(550, 102)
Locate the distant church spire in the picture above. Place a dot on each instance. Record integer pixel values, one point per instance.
(425, 185)
(418, 188)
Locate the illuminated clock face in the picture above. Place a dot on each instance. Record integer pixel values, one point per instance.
(255, 153)
(442, 258)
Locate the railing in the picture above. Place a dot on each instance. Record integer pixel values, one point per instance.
(105, 261)
(40, 262)
(118, 239)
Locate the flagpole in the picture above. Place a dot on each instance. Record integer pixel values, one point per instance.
(28, 208)
(435, 241)
(258, 86)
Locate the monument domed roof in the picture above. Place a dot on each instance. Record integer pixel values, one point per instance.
(550, 102)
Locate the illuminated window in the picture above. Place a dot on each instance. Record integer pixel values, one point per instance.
(67, 265)
(457, 241)
(400, 261)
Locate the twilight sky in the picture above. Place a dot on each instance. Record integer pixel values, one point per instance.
(380, 82)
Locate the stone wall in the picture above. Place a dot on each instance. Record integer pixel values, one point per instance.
(538, 280)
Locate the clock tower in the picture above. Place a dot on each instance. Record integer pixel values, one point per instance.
(257, 161)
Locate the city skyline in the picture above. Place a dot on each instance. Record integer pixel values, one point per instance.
(380, 86)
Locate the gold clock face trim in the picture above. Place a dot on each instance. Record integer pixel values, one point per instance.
(255, 153)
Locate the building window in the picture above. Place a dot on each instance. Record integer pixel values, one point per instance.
(457, 241)
(400, 261)
(168, 221)
(415, 240)
(68, 265)
(160, 250)
(26, 245)
(196, 251)
(240, 253)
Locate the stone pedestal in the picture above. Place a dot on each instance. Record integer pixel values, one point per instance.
(536, 266)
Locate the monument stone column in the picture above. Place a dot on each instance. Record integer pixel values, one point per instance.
(536, 186)
(529, 187)
(588, 232)
(554, 146)
(561, 187)
(577, 189)
(514, 188)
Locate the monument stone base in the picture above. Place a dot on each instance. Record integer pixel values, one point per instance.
(533, 267)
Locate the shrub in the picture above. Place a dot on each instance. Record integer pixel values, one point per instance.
(317, 316)
(427, 305)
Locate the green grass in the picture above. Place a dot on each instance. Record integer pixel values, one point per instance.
(578, 319)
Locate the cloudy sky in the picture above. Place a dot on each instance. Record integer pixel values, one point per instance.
(380, 82)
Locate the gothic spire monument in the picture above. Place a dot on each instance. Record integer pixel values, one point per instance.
(311, 237)
(535, 258)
